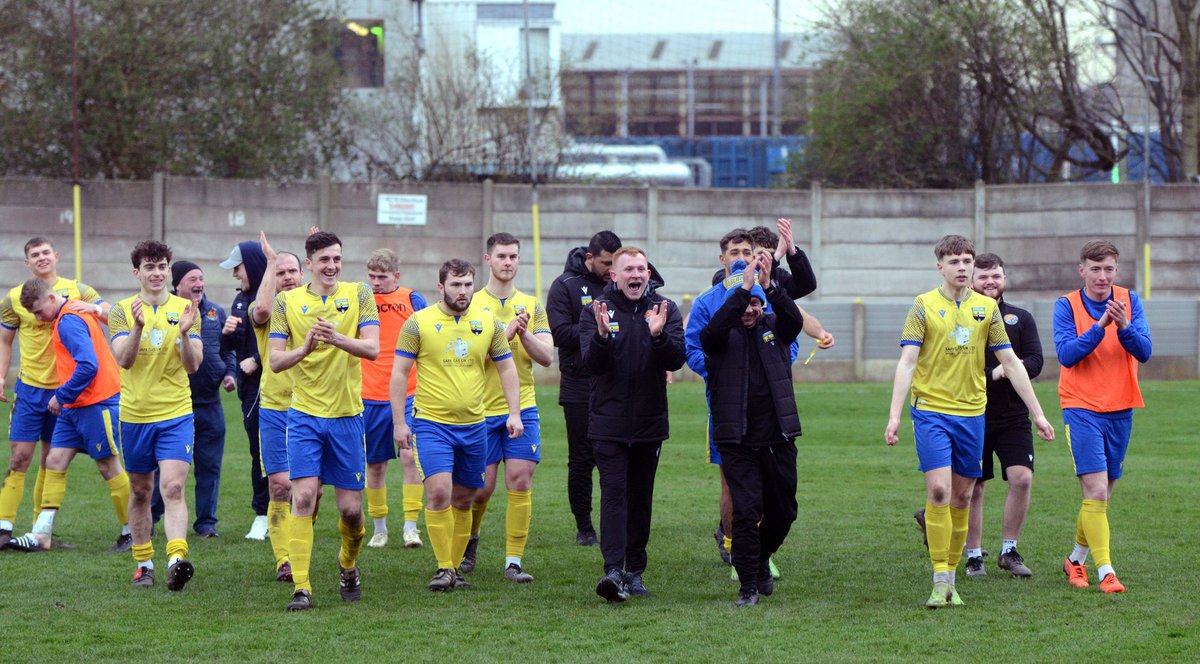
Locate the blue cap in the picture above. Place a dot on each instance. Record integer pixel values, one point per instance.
(734, 282)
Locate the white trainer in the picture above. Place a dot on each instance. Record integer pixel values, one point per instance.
(412, 539)
(258, 529)
(378, 540)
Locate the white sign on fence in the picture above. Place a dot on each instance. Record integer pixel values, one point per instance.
(401, 210)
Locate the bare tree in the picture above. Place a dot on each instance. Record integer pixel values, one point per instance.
(1158, 47)
(450, 120)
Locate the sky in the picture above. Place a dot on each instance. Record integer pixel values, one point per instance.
(695, 16)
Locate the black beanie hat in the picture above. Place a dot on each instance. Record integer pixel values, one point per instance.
(179, 270)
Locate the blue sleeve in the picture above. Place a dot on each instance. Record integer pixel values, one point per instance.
(697, 319)
(75, 337)
(418, 301)
(1069, 347)
(1135, 338)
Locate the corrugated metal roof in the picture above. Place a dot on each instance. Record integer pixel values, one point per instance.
(619, 52)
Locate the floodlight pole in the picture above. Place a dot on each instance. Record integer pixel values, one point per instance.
(776, 82)
(529, 148)
(76, 203)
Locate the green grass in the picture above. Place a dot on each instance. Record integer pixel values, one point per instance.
(854, 571)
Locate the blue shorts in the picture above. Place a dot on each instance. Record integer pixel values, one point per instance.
(92, 429)
(272, 440)
(949, 440)
(714, 455)
(377, 422)
(30, 419)
(500, 446)
(331, 448)
(450, 448)
(1098, 441)
(146, 443)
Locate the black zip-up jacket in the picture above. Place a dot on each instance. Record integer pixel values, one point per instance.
(573, 290)
(629, 367)
(799, 282)
(1003, 402)
(242, 342)
(726, 340)
(217, 363)
(569, 294)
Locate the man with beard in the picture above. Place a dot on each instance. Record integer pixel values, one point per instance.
(1006, 427)
(449, 344)
(630, 338)
(249, 265)
(320, 332)
(585, 275)
(528, 334)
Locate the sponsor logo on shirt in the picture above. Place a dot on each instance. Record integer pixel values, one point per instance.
(1011, 319)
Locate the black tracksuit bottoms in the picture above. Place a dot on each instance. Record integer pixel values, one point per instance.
(762, 485)
(626, 494)
(581, 461)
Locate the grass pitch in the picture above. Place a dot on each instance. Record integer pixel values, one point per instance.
(854, 571)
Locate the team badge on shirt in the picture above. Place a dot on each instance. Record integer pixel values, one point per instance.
(613, 327)
(978, 313)
(172, 318)
(585, 300)
(64, 293)
(768, 337)
(1010, 319)
(343, 305)
(212, 313)
(519, 309)
(477, 327)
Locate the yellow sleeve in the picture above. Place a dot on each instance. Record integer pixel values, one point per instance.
(408, 343)
(117, 323)
(8, 316)
(539, 323)
(499, 348)
(279, 324)
(914, 326)
(368, 312)
(89, 294)
(997, 334)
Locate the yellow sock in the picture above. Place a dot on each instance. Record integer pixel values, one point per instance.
(477, 512)
(377, 507)
(177, 548)
(143, 552)
(728, 542)
(300, 550)
(462, 533)
(54, 489)
(352, 543)
(958, 535)
(1080, 536)
(413, 497)
(39, 487)
(1094, 515)
(439, 525)
(516, 522)
(11, 494)
(938, 527)
(279, 517)
(118, 490)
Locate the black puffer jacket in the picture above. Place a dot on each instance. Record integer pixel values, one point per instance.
(569, 294)
(629, 367)
(726, 340)
(243, 342)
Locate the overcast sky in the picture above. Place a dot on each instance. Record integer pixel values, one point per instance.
(666, 16)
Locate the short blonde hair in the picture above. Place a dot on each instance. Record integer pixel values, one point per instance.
(383, 260)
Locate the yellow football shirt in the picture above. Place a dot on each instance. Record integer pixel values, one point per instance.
(451, 354)
(328, 382)
(274, 389)
(33, 336)
(505, 310)
(156, 387)
(953, 337)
